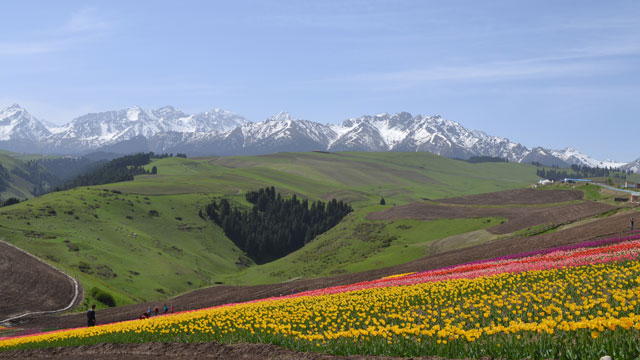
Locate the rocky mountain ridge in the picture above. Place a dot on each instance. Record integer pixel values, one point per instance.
(220, 132)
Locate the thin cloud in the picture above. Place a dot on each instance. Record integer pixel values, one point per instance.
(587, 61)
(85, 21)
(479, 72)
(26, 48)
(83, 25)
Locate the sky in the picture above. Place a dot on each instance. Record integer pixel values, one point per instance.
(541, 73)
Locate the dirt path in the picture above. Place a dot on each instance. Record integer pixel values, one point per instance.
(29, 286)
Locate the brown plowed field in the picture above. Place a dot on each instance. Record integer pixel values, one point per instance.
(28, 284)
(517, 197)
(518, 217)
(181, 351)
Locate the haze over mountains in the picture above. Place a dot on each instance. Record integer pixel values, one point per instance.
(220, 132)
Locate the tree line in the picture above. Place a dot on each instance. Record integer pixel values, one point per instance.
(120, 169)
(578, 171)
(275, 226)
(165, 155)
(485, 159)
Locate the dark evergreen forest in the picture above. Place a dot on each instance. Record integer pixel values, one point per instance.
(275, 226)
(120, 169)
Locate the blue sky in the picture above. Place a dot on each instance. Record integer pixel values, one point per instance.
(547, 73)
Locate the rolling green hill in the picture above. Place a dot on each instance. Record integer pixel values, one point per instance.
(144, 239)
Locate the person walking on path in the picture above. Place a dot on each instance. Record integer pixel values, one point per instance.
(91, 316)
(165, 310)
(631, 224)
(172, 308)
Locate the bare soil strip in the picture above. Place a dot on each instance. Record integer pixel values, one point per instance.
(518, 217)
(517, 197)
(29, 286)
(181, 351)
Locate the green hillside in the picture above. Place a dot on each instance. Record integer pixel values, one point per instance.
(17, 179)
(134, 246)
(360, 178)
(357, 244)
(144, 239)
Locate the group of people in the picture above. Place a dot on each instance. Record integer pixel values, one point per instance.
(91, 314)
(156, 311)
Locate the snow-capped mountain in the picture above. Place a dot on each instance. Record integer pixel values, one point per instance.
(17, 124)
(633, 166)
(97, 130)
(19, 130)
(220, 132)
(574, 157)
(402, 132)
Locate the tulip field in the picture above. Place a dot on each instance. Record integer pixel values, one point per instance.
(575, 302)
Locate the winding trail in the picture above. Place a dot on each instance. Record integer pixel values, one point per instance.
(23, 272)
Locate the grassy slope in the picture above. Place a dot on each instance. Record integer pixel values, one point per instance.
(151, 256)
(360, 178)
(357, 244)
(18, 187)
(106, 239)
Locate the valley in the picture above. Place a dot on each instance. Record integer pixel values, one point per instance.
(144, 239)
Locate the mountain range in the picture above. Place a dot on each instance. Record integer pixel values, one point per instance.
(221, 132)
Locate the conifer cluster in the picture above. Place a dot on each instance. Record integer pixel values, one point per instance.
(275, 226)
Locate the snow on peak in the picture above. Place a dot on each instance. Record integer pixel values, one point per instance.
(167, 110)
(15, 107)
(17, 124)
(575, 157)
(133, 113)
(12, 111)
(282, 116)
(169, 128)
